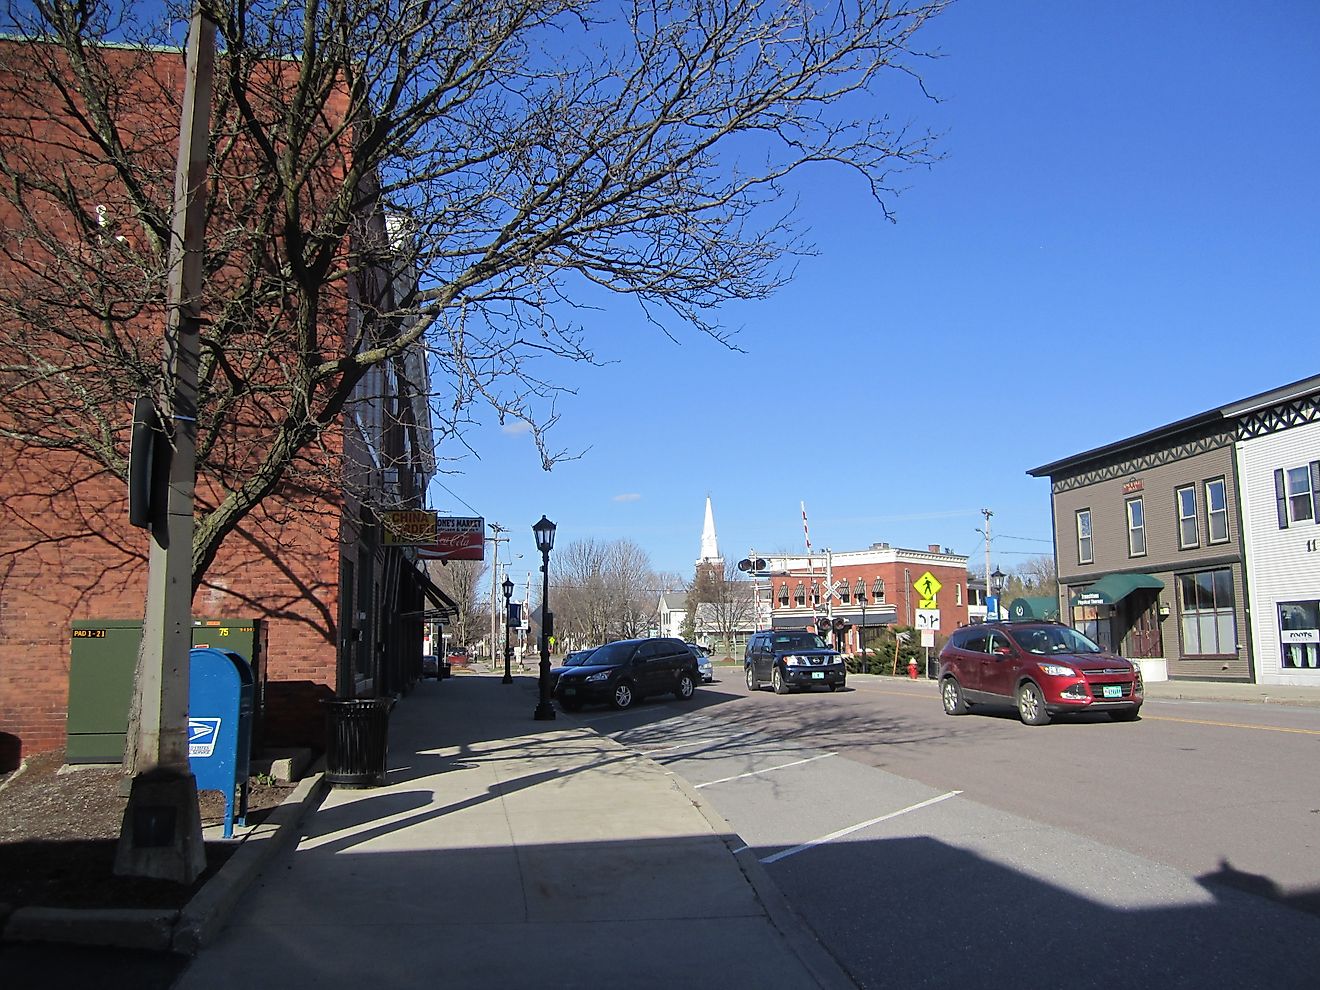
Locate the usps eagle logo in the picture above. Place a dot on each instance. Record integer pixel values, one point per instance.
(202, 734)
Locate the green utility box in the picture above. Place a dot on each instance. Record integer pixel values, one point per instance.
(103, 655)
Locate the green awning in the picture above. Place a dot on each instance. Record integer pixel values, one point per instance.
(1113, 588)
(1039, 607)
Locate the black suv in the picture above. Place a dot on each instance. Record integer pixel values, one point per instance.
(792, 658)
(626, 671)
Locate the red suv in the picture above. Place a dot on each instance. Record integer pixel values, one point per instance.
(1041, 668)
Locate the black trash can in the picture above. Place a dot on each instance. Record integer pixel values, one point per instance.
(356, 741)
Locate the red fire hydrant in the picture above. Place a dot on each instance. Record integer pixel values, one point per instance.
(912, 668)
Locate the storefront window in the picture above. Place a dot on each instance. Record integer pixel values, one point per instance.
(1209, 626)
(1087, 620)
(1299, 635)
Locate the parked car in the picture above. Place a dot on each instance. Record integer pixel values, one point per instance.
(431, 666)
(704, 666)
(574, 659)
(792, 659)
(1041, 668)
(628, 670)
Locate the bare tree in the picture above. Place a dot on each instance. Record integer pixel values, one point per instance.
(509, 158)
(462, 581)
(602, 592)
(1034, 577)
(724, 603)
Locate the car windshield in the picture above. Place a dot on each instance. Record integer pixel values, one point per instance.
(1054, 639)
(578, 658)
(613, 654)
(800, 641)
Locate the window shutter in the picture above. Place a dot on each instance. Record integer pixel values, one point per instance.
(1315, 492)
(1281, 498)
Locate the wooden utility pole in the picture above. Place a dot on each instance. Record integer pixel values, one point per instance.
(161, 835)
(495, 542)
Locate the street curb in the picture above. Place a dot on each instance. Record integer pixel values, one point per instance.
(182, 931)
(204, 917)
(825, 970)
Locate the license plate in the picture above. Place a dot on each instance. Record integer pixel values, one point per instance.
(570, 690)
(1113, 691)
(818, 675)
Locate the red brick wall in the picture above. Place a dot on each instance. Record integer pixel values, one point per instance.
(67, 552)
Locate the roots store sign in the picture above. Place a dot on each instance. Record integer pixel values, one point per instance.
(436, 537)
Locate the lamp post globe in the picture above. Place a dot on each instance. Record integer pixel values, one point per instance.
(544, 531)
(998, 579)
(507, 588)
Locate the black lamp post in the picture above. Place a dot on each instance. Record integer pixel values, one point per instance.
(507, 587)
(860, 595)
(545, 542)
(997, 581)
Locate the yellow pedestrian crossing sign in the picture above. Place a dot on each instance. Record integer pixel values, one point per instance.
(927, 587)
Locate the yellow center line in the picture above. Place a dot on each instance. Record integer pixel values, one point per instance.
(1228, 725)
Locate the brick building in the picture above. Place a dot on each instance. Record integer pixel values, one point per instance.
(868, 589)
(343, 612)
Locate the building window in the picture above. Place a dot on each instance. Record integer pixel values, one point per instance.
(1136, 517)
(845, 593)
(1084, 555)
(783, 594)
(1209, 625)
(1189, 533)
(815, 593)
(799, 596)
(1216, 511)
(1297, 494)
(957, 594)
(1299, 635)
(878, 590)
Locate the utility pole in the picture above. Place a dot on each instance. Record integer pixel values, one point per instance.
(987, 513)
(495, 540)
(161, 834)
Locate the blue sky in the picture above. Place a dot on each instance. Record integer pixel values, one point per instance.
(1131, 195)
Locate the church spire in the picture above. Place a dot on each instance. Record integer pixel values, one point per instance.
(710, 548)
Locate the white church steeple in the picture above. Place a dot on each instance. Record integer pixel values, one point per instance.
(710, 548)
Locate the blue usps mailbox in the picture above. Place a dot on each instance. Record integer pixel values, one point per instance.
(220, 693)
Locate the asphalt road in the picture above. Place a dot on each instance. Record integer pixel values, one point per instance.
(1176, 851)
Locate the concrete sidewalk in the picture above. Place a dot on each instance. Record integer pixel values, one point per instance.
(505, 852)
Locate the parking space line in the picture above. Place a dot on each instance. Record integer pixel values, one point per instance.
(686, 744)
(857, 828)
(753, 773)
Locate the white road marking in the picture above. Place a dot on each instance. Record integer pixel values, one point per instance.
(753, 773)
(681, 745)
(857, 828)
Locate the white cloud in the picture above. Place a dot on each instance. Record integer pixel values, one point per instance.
(628, 497)
(517, 428)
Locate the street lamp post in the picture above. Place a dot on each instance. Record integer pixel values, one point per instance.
(507, 588)
(861, 633)
(544, 530)
(997, 581)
